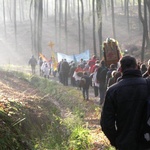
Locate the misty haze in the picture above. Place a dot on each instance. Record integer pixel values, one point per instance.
(20, 19)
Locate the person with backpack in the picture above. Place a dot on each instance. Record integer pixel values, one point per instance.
(85, 84)
(123, 109)
(33, 63)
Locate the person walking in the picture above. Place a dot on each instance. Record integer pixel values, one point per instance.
(33, 63)
(85, 86)
(65, 72)
(71, 72)
(101, 79)
(121, 116)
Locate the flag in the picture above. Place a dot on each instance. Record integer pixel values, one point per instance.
(54, 61)
(43, 57)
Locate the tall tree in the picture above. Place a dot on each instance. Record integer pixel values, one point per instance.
(99, 14)
(79, 28)
(30, 17)
(83, 30)
(148, 6)
(127, 13)
(60, 22)
(94, 28)
(35, 27)
(15, 24)
(40, 22)
(113, 18)
(56, 12)
(4, 17)
(144, 31)
(66, 26)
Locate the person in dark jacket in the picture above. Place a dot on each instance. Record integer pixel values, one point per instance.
(71, 73)
(65, 72)
(101, 79)
(33, 63)
(86, 85)
(121, 115)
(109, 72)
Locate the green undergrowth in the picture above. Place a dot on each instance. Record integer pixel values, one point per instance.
(54, 121)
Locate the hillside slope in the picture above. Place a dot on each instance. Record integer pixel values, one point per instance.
(25, 113)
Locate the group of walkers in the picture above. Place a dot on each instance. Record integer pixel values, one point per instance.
(122, 88)
(97, 74)
(45, 66)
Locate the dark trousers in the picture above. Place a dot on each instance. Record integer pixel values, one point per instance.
(33, 69)
(65, 79)
(102, 91)
(85, 92)
(73, 82)
(96, 89)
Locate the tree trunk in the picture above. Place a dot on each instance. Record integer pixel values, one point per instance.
(66, 26)
(15, 24)
(127, 14)
(35, 28)
(56, 10)
(60, 21)
(146, 5)
(83, 30)
(99, 14)
(4, 18)
(94, 30)
(79, 27)
(32, 44)
(142, 21)
(40, 22)
(113, 19)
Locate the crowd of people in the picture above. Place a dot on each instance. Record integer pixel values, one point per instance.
(122, 89)
(98, 75)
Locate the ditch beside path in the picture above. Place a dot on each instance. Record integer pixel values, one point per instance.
(92, 119)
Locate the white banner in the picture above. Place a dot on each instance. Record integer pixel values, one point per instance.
(77, 57)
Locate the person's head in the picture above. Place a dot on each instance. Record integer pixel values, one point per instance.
(113, 73)
(102, 63)
(97, 62)
(94, 57)
(85, 73)
(112, 66)
(143, 67)
(128, 62)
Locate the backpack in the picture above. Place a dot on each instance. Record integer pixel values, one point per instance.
(82, 82)
(145, 127)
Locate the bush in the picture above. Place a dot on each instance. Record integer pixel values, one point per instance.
(80, 139)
